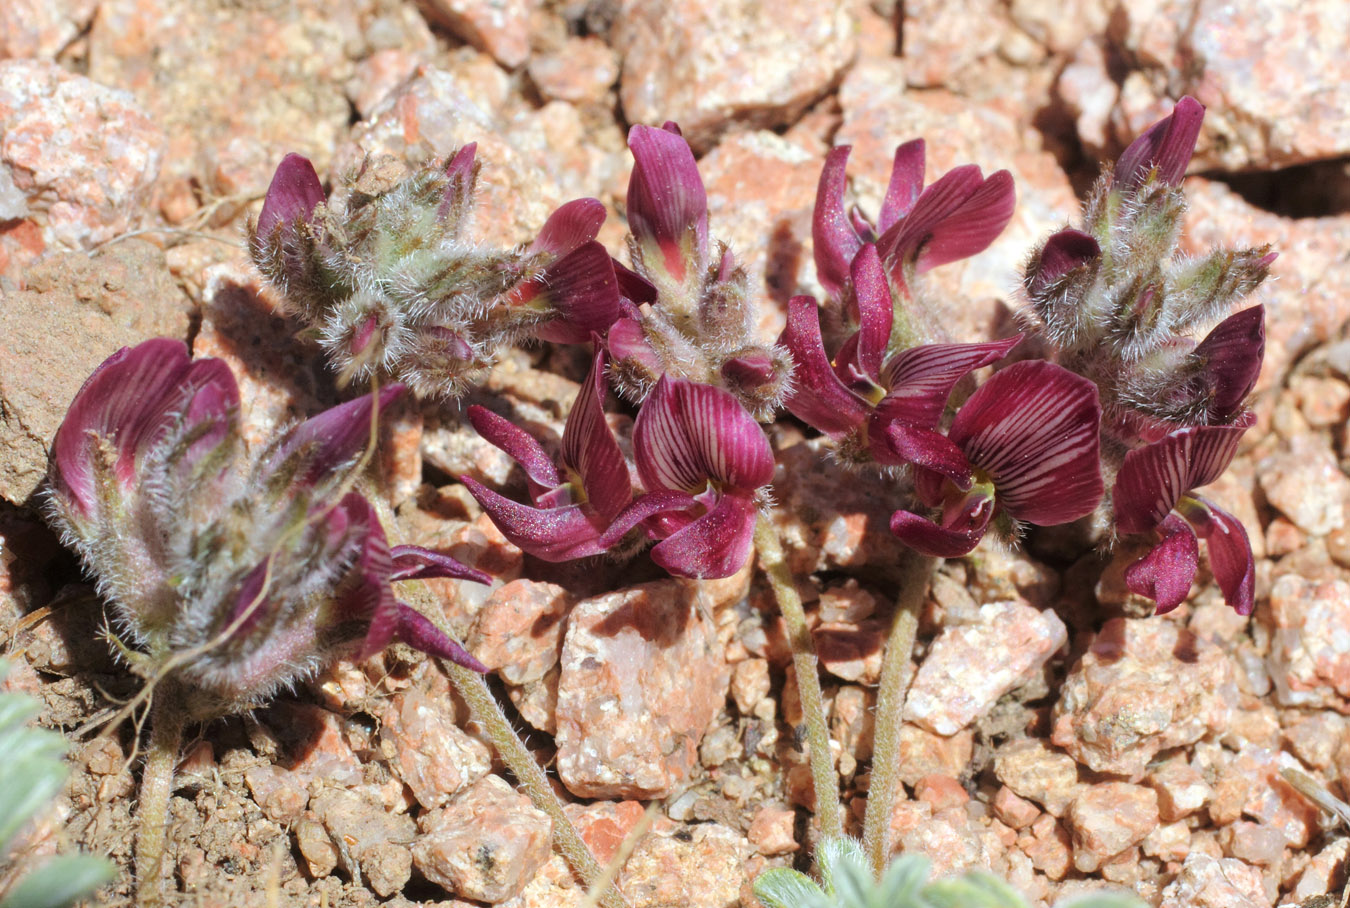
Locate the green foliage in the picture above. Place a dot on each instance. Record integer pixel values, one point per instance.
(31, 774)
(846, 882)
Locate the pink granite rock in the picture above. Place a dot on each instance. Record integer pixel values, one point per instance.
(519, 630)
(1272, 75)
(500, 27)
(1034, 771)
(486, 844)
(370, 840)
(968, 668)
(1309, 657)
(42, 28)
(1181, 788)
(1207, 882)
(924, 753)
(81, 155)
(581, 71)
(949, 840)
(1107, 818)
(642, 677)
(434, 757)
(1144, 685)
(714, 63)
(943, 40)
(1014, 810)
(260, 80)
(700, 866)
(761, 192)
(1048, 844)
(771, 831)
(1304, 482)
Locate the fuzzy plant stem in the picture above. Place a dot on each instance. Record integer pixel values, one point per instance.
(823, 778)
(884, 788)
(489, 716)
(167, 720)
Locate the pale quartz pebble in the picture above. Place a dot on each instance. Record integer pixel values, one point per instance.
(1309, 656)
(1107, 818)
(433, 756)
(968, 668)
(1207, 882)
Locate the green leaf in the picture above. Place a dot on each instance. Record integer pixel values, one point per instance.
(903, 881)
(26, 785)
(783, 888)
(974, 890)
(62, 881)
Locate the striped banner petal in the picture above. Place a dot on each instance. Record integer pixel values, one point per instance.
(1153, 478)
(688, 433)
(922, 378)
(1034, 429)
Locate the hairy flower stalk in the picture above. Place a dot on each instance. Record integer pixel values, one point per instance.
(390, 277)
(230, 577)
(1118, 305)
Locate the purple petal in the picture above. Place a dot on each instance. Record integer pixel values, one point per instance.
(1165, 574)
(687, 434)
(413, 562)
(1153, 478)
(645, 508)
(118, 402)
(904, 443)
(833, 236)
(952, 541)
(589, 447)
(715, 545)
(323, 444)
(750, 370)
(1230, 556)
(922, 378)
(293, 195)
(1166, 145)
(632, 286)
(627, 342)
(416, 630)
(667, 204)
(935, 204)
(1232, 355)
(582, 289)
(551, 534)
(573, 224)
(876, 310)
(1062, 253)
(972, 227)
(1034, 429)
(818, 398)
(520, 446)
(460, 173)
(906, 184)
(371, 597)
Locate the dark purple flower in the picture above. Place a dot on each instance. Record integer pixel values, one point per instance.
(239, 577)
(1153, 491)
(1229, 360)
(578, 286)
(667, 205)
(573, 505)
(954, 218)
(294, 193)
(1029, 438)
(1165, 148)
(702, 458)
(890, 404)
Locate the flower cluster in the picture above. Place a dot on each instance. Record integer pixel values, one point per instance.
(1023, 448)
(1117, 304)
(237, 574)
(394, 285)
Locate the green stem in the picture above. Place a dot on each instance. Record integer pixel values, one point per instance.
(823, 778)
(884, 787)
(488, 714)
(167, 720)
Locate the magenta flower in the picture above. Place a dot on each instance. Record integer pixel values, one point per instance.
(292, 196)
(702, 459)
(1029, 444)
(1163, 150)
(245, 576)
(578, 287)
(667, 207)
(888, 405)
(917, 229)
(575, 501)
(1153, 492)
